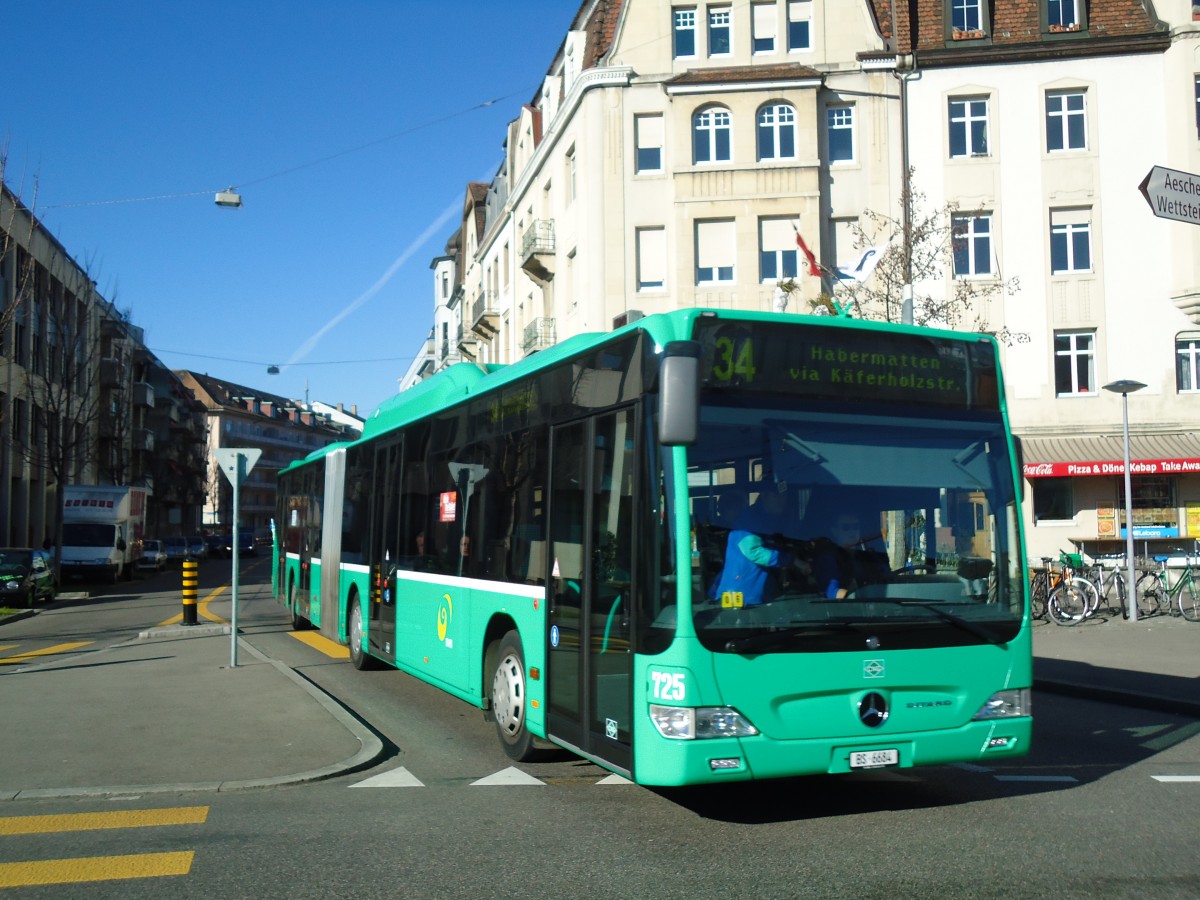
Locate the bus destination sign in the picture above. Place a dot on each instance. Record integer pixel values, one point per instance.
(836, 364)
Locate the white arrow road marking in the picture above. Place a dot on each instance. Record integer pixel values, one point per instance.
(614, 779)
(1174, 778)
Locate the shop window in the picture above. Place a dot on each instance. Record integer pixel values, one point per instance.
(1052, 499)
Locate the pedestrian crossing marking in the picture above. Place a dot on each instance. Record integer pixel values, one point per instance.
(511, 775)
(398, 777)
(95, 868)
(45, 651)
(1070, 779)
(132, 818)
(1176, 778)
(322, 644)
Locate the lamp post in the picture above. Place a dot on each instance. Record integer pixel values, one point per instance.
(1125, 387)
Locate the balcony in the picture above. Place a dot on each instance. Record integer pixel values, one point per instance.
(143, 394)
(468, 344)
(539, 334)
(537, 250)
(112, 372)
(485, 317)
(143, 439)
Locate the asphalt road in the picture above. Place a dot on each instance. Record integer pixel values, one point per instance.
(1083, 816)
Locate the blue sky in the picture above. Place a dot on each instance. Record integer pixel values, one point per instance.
(349, 127)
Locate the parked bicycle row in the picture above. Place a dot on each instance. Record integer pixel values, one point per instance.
(1069, 590)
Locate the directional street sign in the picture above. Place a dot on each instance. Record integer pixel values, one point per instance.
(1172, 194)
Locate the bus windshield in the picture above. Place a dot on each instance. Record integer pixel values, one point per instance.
(844, 525)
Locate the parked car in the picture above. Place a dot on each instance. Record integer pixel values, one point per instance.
(262, 537)
(177, 549)
(26, 576)
(247, 545)
(216, 545)
(197, 548)
(154, 557)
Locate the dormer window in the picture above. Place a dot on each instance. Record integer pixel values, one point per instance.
(968, 19)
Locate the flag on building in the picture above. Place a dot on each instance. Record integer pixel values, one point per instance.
(814, 267)
(860, 269)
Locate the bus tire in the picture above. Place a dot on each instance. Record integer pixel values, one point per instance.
(299, 623)
(508, 700)
(359, 657)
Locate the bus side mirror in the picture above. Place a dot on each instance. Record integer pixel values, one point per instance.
(679, 394)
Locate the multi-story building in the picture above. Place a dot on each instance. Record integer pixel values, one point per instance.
(677, 152)
(81, 398)
(244, 417)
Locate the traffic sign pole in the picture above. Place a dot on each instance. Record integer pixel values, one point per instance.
(236, 463)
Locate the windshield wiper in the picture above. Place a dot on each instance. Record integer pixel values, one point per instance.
(984, 634)
(764, 639)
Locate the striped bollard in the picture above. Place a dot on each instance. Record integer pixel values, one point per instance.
(191, 587)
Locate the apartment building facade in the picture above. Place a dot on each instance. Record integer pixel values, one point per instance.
(677, 150)
(82, 400)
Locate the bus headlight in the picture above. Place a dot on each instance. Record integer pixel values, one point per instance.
(1006, 705)
(685, 723)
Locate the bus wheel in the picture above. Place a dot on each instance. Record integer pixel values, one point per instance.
(299, 623)
(508, 700)
(354, 635)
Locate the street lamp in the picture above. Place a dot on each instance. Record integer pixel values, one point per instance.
(1125, 387)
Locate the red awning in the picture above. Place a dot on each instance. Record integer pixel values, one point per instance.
(1104, 455)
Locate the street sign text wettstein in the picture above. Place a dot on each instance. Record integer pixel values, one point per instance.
(1172, 194)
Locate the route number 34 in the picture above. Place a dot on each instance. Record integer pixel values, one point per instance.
(668, 686)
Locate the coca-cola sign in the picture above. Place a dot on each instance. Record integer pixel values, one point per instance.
(1111, 467)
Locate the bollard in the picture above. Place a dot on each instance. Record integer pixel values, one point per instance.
(191, 585)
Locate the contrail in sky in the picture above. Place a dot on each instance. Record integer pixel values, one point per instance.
(308, 346)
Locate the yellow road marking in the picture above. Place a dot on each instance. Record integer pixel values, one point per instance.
(201, 609)
(95, 868)
(7, 646)
(96, 821)
(45, 651)
(322, 643)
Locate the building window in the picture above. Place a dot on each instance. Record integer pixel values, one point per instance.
(1187, 362)
(968, 127)
(651, 259)
(799, 25)
(966, 15)
(1074, 363)
(777, 253)
(1063, 15)
(711, 135)
(840, 122)
(571, 175)
(685, 32)
(777, 132)
(1066, 121)
(716, 251)
(1052, 499)
(648, 135)
(1070, 241)
(765, 27)
(719, 23)
(971, 242)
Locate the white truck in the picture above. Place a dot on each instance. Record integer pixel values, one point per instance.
(103, 527)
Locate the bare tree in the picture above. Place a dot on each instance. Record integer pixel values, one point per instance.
(920, 257)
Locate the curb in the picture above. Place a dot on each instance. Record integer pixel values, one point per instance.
(370, 746)
(1135, 699)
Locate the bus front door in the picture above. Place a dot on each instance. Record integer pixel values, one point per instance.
(590, 520)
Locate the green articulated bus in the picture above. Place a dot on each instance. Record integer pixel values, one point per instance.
(633, 545)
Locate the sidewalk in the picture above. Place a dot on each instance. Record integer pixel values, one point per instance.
(168, 713)
(1153, 663)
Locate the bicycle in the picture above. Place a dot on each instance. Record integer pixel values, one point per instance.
(1184, 593)
(1110, 589)
(1075, 598)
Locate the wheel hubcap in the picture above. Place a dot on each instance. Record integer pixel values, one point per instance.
(508, 693)
(355, 631)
